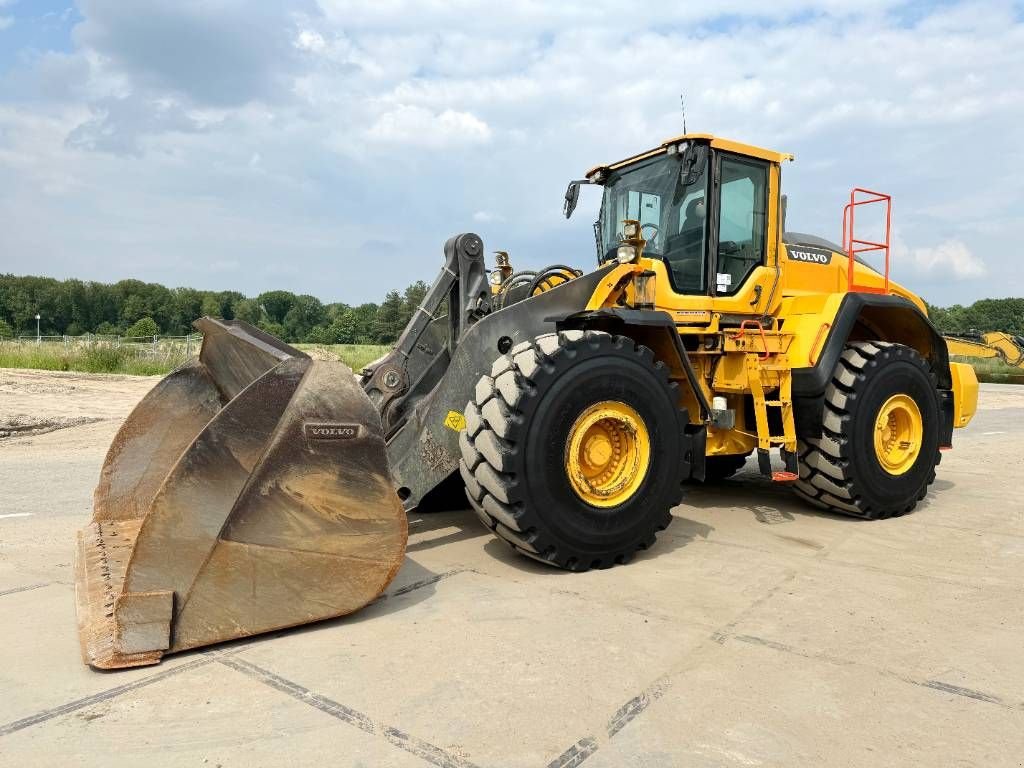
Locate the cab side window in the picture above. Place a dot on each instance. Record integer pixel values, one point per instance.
(742, 222)
(686, 237)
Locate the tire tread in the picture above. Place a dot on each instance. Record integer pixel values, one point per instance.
(825, 477)
(487, 452)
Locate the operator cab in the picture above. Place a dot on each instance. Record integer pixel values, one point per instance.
(702, 209)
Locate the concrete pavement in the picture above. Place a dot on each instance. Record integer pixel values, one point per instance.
(757, 632)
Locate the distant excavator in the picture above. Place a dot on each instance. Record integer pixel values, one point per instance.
(995, 345)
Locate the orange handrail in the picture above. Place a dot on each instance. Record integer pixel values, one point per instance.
(850, 241)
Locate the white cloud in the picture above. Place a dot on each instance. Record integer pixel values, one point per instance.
(310, 40)
(951, 258)
(417, 126)
(295, 128)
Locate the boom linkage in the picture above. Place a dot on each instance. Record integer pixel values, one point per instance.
(458, 298)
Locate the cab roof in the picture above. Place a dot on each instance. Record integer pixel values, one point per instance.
(716, 142)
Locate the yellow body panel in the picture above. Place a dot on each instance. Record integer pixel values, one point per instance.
(965, 393)
(614, 286)
(730, 442)
(801, 277)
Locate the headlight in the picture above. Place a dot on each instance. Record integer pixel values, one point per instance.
(495, 277)
(625, 254)
(631, 230)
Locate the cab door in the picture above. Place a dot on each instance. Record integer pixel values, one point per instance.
(739, 236)
(727, 267)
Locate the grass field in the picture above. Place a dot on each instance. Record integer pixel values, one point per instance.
(145, 360)
(138, 360)
(355, 356)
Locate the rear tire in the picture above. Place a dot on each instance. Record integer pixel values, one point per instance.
(515, 460)
(842, 471)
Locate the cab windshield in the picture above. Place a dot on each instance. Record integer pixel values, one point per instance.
(672, 216)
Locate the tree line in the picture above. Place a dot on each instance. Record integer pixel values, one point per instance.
(1005, 315)
(135, 308)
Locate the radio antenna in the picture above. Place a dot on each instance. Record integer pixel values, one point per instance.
(682, 104)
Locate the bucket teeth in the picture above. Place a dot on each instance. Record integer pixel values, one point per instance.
(249, 492)
(104, 550)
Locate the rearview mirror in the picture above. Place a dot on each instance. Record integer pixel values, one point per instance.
(572, 196)
(694, 160)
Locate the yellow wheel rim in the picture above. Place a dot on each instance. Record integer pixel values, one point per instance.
(607, 453)
(899, 431)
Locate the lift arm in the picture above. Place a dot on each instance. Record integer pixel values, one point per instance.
(1010, 349)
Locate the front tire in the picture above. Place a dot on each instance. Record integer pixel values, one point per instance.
(879, 444)
(600, 398)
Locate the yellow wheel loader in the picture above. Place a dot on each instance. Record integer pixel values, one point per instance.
(256, 489)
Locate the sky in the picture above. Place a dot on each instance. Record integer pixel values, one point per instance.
(331, 147)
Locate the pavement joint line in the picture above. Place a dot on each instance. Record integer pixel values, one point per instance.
(107, 695)
(723, 634)
(575, 754)
(624, 715)
(412, 587)
(26, 588)
(937, 685)
(207, 657)
(970, 693)
(633, 708)
(396, 737)
(585, 747)
(726, 633)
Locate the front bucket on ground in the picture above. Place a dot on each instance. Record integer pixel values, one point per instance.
(248, 491)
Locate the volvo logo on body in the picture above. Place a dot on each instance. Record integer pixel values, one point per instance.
(332, 431)
(809, 255)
